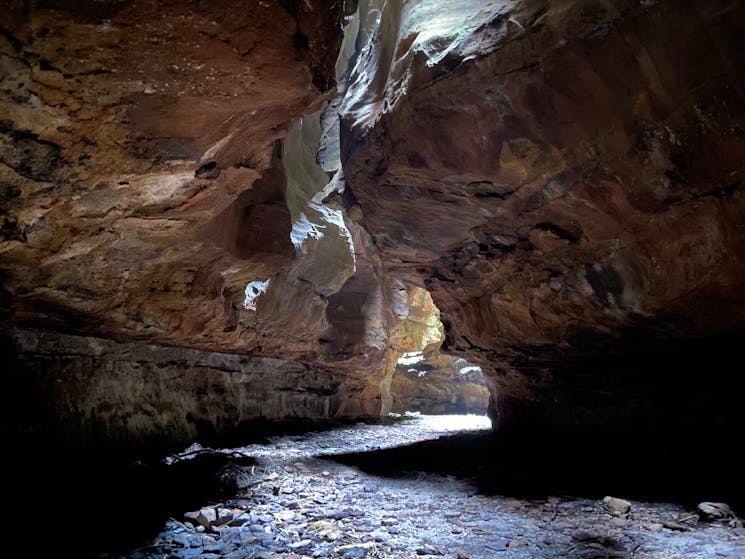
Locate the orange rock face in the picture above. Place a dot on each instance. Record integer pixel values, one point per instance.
(141, 195)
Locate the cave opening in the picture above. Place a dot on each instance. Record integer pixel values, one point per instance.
(426, 380)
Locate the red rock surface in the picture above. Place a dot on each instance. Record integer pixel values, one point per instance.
(566, 180)
(143, 186)
(136, 138)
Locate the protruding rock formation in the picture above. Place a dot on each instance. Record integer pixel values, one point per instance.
(565, 178)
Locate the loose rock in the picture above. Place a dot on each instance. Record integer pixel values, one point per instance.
(714, 511)
(616, 506)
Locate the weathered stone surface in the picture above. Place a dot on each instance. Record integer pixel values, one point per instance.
(565, 179)
(424, 379)
(94, 388)
(714, 511)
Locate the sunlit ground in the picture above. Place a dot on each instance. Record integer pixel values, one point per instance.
(448, 423)
(408, 428)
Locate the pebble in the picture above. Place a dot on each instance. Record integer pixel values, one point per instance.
(355, 551)
(302, 545)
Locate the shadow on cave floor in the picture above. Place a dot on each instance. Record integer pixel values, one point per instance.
(84, 502)
(655, 468)
(79, 506)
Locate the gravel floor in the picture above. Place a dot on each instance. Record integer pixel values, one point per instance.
(299, 499)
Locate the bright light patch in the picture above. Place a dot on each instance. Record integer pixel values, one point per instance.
(411, 358)
(253, 291)
(470, 369)
(303, 229)
(440, 423)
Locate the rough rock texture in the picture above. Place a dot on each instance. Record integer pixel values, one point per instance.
(135, 134)
(155, 161)
(565, 178)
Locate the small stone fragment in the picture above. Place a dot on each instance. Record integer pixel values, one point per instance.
(616, 506)
(677, 526)
(460, 553)
(240, 520)
(355, 551)
(209, 513)
(655, 527)
(480, 532)
(302, 545)
(197, 519)
(223, 516)
(428, 549)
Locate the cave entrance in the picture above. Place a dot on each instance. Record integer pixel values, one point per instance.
(427, 381)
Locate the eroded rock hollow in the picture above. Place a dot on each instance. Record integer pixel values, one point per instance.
(213, 213)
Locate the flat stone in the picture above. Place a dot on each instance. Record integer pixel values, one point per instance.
(240, 520)
(197, 519)
(302, 545)
(428, 549)
(355, 551)
(714, 511)
(223, 516)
